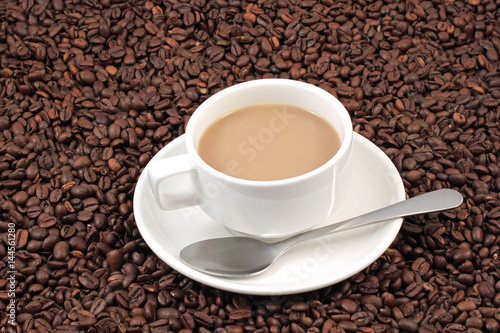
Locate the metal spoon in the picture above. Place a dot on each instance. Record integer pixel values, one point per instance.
(245, 256)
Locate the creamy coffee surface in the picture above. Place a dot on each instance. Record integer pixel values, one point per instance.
(268, 142)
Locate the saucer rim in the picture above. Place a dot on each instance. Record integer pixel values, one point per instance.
(247, 285)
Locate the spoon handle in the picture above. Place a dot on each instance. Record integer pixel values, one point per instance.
(424, 203)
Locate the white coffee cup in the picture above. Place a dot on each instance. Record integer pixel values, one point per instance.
(263, 209)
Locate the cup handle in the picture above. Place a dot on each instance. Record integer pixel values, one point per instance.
(172, 181)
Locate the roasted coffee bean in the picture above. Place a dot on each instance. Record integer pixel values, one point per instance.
(115, 259)
(137, 297)
(61, 250)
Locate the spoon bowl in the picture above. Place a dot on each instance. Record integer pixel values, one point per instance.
(245, 256)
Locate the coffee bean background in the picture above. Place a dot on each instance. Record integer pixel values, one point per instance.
(90, 90)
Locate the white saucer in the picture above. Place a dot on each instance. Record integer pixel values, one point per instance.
(309, 266)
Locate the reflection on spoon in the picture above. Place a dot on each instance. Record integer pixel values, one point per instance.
(245, 256)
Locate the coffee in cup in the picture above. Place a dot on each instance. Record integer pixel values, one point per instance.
(268, 142)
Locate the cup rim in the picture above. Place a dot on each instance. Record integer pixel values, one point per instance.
(343, 150)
